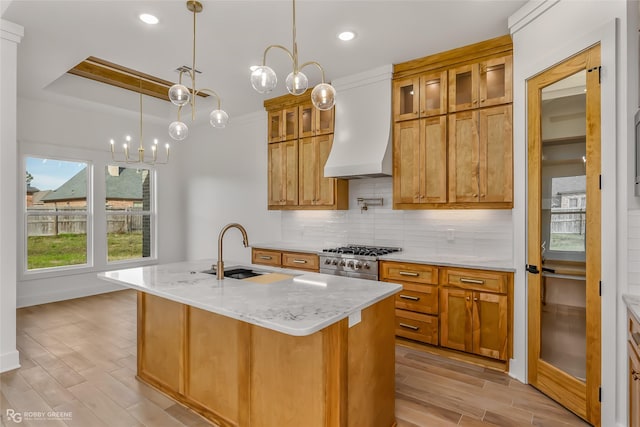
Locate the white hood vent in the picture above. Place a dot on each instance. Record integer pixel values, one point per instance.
(362, 132)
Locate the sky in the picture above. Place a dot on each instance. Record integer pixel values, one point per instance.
(49, 174)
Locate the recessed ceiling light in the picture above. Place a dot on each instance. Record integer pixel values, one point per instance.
(347, 35)
(148, 19)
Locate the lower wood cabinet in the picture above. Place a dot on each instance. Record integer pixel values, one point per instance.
(275, 258)
(633, 351)
(462, 309)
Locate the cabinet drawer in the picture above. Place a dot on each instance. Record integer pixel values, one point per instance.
(300, 261)
(405, 272)
(480, 280)
(265, 257)
(420, 298)
(415, 326)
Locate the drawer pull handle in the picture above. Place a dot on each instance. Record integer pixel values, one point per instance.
(265, 257)
(409, 273)
(410, 297)
(300, 261)
(413, 328)
(474, 281)
(636, 338)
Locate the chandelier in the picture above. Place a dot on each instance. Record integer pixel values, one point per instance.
(180, 95)
(264, 79)
(140, 158)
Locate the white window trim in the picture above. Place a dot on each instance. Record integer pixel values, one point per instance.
(96, 234)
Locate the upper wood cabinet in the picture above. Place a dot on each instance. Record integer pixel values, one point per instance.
(452, 143)
(421, 176)
(422, 96)
(282, 174)
(481, 84)
(313, 122)
(481, 156)
(300, 139)
(283, 124)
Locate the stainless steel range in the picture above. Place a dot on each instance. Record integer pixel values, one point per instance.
(353, 261)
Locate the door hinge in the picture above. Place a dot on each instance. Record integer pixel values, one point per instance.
(599, 394)
(599, 182)
(599, 69)
(600, 287)
(533, 269)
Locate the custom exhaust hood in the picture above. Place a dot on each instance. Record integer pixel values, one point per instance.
(362, 133)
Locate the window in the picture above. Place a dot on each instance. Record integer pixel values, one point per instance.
(568, 214)
(129, 207)
(57, 214)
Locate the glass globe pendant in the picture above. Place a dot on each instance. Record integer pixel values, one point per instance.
(297, 83)
(179, 95)
(323, 96)
(218, 118)
(178, 130)
(263, 79)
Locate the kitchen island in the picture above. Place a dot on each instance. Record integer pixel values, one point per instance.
(284, 348)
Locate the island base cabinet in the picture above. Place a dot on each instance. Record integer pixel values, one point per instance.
(238, 374)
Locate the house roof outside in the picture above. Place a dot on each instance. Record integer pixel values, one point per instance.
(125, 185)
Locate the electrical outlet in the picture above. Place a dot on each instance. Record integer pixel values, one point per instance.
(451, 234)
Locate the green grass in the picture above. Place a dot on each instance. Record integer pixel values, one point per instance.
(567, 242)
(71, 249)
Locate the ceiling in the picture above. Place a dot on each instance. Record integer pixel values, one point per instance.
(231, 36)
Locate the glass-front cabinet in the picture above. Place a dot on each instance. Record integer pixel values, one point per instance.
(423, 96)
(314, 122)
(283, 125)
(481, 84)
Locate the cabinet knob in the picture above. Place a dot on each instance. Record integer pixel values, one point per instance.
(475, 101)
(468, 299)
(415, 113)
(474, 195)
(475, 299)
(482, 196)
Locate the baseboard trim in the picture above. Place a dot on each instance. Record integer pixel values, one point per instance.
(9, 361)
(29, 300)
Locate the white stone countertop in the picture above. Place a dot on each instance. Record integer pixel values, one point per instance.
(298, 306)
(633, 304)
(465, 261)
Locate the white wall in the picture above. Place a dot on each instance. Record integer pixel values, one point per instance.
(544, 33)
(10, 36)
(224, 180)
(83, 132)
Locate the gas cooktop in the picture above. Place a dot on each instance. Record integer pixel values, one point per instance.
(361, 250)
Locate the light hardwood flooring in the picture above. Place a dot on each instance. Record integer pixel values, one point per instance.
(78, 359)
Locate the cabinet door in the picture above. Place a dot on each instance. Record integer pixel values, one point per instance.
(463, 87)
(308, 172)
(463, 157)
(290, 121)
(275, 129)
(496, 81)
(324, 122)
(455, 319)
(325, 193)
(433, 160)
(490, 325)
(406, 162)
(283, 173)
(496, 155)
(634, 386)
(433, 94)
(306, 120)
(406, 99)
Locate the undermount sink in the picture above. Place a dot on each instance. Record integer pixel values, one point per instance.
(238, 273)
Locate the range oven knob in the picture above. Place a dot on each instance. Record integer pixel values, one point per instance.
(327, 261)
(357, 265)
(342, 263)
(350, 264)
(366, 266)
(334, 262)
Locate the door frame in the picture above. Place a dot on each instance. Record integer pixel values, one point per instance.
(581, 398)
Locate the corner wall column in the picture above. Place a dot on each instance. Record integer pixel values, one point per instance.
(10, 35)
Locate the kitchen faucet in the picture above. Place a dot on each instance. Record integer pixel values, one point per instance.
(245, 242)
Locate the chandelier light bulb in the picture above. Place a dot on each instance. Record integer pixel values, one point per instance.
(178, 130)
(297, 83)
(179, 95)
(218, 118)
(323, 96)
(263, 79)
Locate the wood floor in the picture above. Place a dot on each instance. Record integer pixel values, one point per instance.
(78, 362)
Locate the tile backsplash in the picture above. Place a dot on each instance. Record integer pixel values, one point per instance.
(488, 233)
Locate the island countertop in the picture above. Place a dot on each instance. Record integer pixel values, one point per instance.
(298, 305)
